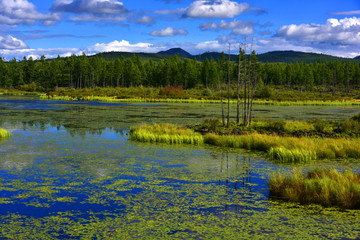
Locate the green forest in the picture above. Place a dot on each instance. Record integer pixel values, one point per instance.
(88, 72)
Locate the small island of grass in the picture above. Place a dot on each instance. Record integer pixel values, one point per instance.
(327, 187)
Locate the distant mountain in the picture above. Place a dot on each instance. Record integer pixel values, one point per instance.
(271, 57)
(358, 57)
(174, 51)
(293, 56)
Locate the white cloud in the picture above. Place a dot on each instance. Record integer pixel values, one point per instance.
(123, 46)
(92, 10)
(237, 27)
(37, 53)
(9, 42)
(169, 31)
(94, 18)
(89, 6)
(210, 46)
(216, 9)
(146, 20)
(334, 32)
(23, 12)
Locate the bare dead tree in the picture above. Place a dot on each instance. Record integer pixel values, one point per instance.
(228, 75)
(238, 87)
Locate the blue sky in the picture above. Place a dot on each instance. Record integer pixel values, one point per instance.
(65, 27)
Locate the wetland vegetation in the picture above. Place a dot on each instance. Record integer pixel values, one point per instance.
(70, 170)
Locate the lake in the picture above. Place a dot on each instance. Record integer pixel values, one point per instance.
(69, 171)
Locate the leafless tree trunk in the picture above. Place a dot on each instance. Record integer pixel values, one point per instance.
(238, 88)
(228, 114)
(222, 103)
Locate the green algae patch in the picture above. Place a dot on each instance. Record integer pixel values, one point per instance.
(327, 187)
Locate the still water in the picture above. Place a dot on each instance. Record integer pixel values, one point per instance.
(69, 171)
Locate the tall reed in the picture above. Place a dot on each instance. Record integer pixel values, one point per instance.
(327, 187)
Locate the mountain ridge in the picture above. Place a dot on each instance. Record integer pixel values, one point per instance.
(286, 56)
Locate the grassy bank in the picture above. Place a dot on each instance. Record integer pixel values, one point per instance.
(327, 187)
(4, 134)
(284, 149)
(278, 96)
(115, 99)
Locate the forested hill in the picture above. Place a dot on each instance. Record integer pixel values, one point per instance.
(293, 56)
(271, 57)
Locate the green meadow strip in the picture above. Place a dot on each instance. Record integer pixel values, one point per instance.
(190, 100)
(327, 187)
(283, 149)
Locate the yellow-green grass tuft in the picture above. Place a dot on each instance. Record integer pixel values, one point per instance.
(327, 187)
(4, 133)
(165, 133)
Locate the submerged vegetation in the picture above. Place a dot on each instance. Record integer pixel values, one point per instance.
(4, 134)
(327, 187)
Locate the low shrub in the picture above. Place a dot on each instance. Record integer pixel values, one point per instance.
(323, 126)
(172, 91)
(356, 118)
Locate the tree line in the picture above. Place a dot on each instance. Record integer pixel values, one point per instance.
(87, 72)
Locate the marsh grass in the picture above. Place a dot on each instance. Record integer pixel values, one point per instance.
(4, 134)
(327, 187)
(279, 148)
(290, 149)
(165, 133)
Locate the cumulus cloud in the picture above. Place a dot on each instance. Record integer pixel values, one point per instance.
(334, 32)
(92, 10)
(37, 53)
(14, 12)
(9, 42)
(89, 6)
(168, 32)
(123, 46)
(215, 9)
(335, 37)
(237, 27)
